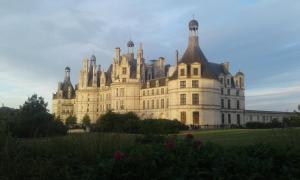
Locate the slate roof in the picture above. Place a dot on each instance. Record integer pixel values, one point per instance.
(192, 54)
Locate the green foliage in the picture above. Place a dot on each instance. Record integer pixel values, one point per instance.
(71, 121)
(86, 121)
(31, 120)
(93, 156)
(293, 121)
(260, 125)
(115, 122)
(161, 126)
(33, 105)
(130, 123)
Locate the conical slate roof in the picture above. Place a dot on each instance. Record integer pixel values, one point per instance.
(193, 52)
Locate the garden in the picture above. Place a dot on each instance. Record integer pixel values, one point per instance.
(35, 145)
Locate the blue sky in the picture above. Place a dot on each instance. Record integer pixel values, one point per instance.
(260, 37)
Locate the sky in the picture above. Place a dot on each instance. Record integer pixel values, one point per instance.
(39, 38)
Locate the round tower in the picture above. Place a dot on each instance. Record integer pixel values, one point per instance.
(193, 27)
(67, 73)
(130, 46)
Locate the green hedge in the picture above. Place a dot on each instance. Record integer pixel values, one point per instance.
(261, 125)
(130, 123)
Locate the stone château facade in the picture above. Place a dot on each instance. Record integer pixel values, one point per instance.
(194, 91)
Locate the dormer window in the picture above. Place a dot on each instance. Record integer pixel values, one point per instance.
(221, 80)
(182, 72)
(124, 69)
(195, 71)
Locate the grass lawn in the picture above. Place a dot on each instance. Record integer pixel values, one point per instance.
(92, 156)
(239, 137)
(107, 142)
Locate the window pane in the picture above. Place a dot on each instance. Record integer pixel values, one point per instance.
(195, 98)
(182, 84)
(182, 99)
(195, 83)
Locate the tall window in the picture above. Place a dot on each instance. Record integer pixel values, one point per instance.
(222, 91)
(195, 98)
(182, 72)
(228, 92)
(196, 118)
(237, 92)
(122, 105)
(195, 83)
(222, 80)
(183, 117)
(122, 91)
(238, 104)
(229, 118)
(124, 70)
(223, 118)
(162, 91)
(123, 80)
(228, 82)
(238, 119)
(182, 99)
(167, 104)
(182, 84)
(195, 71)
(147, 104)
(228, 104)
(157, 103)
(162, 103)
(222, 103)
(144, 104)
(152, 92)
(152, 104)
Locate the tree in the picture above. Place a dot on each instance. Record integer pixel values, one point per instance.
(33, 105)
(71, 121)
(86, 121)
(35, 121)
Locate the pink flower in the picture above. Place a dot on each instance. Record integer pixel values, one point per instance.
(197, 143)
(189, 136)
(119, 155)
(170, 145)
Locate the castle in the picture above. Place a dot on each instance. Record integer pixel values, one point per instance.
(194, 91)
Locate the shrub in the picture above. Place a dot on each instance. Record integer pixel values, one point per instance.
(71, 121)
(130, 123)
(260, 125)
(115, 122)
(161, 126)
(86, 121)
(292, 122)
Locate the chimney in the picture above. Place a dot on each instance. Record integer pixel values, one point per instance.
(226, 66)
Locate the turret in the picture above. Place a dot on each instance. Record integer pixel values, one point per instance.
(139, 61)
(67, 73)
(93, 69)
(130, 46)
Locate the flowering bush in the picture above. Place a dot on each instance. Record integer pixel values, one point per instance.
(189, 136)
(119, 155)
